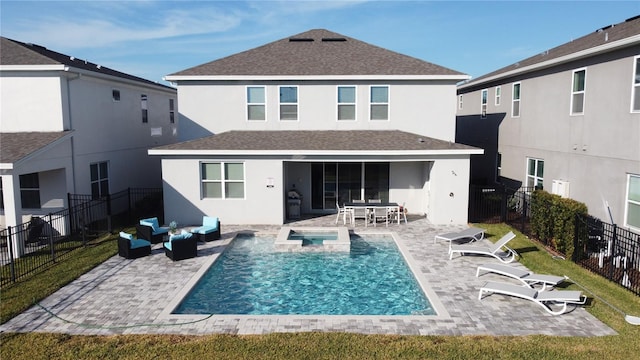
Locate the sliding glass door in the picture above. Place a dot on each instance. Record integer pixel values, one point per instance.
(347, 181)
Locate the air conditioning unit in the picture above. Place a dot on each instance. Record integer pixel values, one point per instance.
(560, 187)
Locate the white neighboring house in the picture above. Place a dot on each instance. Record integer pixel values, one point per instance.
(330, 116)
(71, 126)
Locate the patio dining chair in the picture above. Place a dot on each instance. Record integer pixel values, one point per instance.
(344, 211)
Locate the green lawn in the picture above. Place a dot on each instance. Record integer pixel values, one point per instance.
(625, 345)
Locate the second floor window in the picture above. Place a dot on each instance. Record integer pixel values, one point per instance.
(483, 103)
(535, 173)
(99, 179)
(172, 113)
(288, 103)
(30, 191)
(515, 105)
(346, 102)
(143, 106)
(498, 95)
(256, 105)
(577, 92)
(635, 92)
(379, 103)
(115, 94)
(460, 102)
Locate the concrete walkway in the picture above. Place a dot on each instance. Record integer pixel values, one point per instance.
(137, 296)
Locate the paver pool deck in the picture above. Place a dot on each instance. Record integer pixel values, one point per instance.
(124, 296)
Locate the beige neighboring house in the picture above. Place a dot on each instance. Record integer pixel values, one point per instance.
(71, 126)
(329, 116)
(567, 119)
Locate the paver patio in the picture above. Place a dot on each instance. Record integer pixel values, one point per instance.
(124, 296)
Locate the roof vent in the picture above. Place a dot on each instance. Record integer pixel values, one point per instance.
(99, 66)
(335, 39)
(300, 39)
(71, 58)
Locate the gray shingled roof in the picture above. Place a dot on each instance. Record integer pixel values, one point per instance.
(317, 140)
(317, 52)
(15, 146)
(602, 36)
(18, 53)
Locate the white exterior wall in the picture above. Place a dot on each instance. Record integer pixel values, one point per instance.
(31, 102)
(406, 186)
(262, 205)
(425, 108)
(448, 191)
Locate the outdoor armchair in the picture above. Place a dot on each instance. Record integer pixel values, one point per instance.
(149, 229)
(210, 229)
(131, 248)
(181, 246)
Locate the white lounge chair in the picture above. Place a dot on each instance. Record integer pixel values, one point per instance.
(494, 250)
(472, 233)
(528, 278)
(543, 298)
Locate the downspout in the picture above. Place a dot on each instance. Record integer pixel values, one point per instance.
(73, 153)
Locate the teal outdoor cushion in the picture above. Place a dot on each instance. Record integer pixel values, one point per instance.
(167, 245)
(139, 243)
(126, 235)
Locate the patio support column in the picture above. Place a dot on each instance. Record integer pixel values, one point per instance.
(12, 209)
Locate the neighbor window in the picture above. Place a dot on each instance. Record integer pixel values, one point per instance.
(346, 102)
(535, 173)
(288, 103)
(30, 191)
(99, 179)
(515, 105)
(256, 103)
(115, 94)
(172, 114)
(577, 92)
(222, 180)
(460, 102)
(498, 94)
(379, 103)
(143, 106)
(1, 196)
(632, 211)
(635, 92)
(498, 165)
(484, 98)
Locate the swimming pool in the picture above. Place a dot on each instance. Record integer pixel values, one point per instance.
(251, 278)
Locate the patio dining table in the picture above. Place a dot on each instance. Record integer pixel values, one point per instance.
(371, 209)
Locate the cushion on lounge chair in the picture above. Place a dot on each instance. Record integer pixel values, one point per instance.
(528, 278)
(494, 250)
(542, 298)
(472, 233)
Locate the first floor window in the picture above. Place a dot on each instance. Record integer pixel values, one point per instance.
(30, 191)
(535, 173)
(379, 103)
(632, 211)
(346, 102)
(99, 179)
(222, 180)
(515, 105)
(288, 103)
(256, 103)
(498, 165)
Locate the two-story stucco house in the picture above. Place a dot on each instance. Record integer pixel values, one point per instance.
(330, 116)
(72, 126)
(567, 119)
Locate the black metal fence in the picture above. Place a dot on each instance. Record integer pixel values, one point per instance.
(608, 250)
(39, 243)
(603, 248)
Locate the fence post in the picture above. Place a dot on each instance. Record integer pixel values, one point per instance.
(53, 251)
(109, 223)
(12, 265)
(503, 205)
(576, 239)
(613, 250)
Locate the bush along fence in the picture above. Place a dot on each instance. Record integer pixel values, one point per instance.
(39, 243)
(564, 226)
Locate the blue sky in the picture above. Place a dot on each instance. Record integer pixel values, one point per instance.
(152, 39)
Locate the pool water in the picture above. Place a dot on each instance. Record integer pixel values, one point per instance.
(250, 278)
(312, 238)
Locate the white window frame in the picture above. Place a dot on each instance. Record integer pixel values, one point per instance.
(575, 93)
(628, 202)
(460, 102)
(263, 104)
(354, 103)
(101, 178)
(297, 103)
(223, 181)
(635, 85)
(387, 103)
(172, 111)
(484, 100)
(498, 95)
(30, 189)
(515, 101)
(536, 179)
(144, 106)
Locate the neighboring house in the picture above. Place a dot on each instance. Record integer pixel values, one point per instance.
(332, 117)
(567, 120)
(71, 126)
